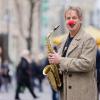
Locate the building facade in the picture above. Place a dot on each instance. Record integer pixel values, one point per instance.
(25, 23)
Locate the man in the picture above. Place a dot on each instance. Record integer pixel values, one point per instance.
(23, 74)
(77, 60)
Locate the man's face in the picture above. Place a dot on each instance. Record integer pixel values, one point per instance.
(72, 20)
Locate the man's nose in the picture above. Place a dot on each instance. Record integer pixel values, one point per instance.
(71, 22)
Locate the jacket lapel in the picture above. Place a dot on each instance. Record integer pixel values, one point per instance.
(72, 46)
(75, 42)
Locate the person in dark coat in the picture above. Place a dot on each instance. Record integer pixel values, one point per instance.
(98, 68)
(0, 67)
(5, 74)
(37, 68)
(23, 75)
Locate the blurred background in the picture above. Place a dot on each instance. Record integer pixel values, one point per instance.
(24, 24)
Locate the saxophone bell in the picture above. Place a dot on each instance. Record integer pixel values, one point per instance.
(46, 70)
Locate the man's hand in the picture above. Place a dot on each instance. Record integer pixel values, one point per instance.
(54, 58)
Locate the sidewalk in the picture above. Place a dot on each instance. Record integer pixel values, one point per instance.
(45, 95)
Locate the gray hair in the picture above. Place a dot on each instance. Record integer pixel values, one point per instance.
(77, 9)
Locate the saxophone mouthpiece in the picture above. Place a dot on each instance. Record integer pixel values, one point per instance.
(49, 34)
(56, 28)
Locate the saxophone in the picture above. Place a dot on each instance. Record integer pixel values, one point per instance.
(51, 70)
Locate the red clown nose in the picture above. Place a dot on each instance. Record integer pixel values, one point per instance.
(71, 22)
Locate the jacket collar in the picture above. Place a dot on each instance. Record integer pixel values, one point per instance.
(75, 41)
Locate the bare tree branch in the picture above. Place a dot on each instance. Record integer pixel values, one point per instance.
(19, 17)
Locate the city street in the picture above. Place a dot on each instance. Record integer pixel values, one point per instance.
(35, 34)
(45, 95)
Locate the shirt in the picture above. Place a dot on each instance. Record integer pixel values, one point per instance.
(67, 43)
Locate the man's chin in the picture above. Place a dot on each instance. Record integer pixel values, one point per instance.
(72, 29)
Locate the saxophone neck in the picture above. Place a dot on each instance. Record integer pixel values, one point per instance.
(49, 44)
(53, 31)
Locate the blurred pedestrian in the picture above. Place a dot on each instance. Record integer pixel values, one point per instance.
(23, 74)
(77, 60)
(0, 67)
(37, 68)
(98, 69)
(6, 78)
